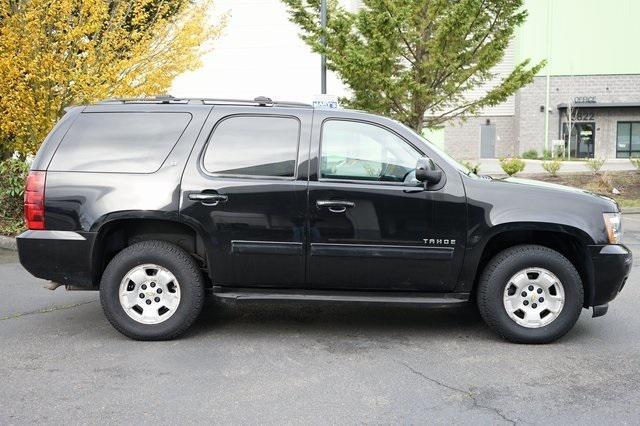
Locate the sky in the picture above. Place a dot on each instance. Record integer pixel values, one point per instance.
(258, 54)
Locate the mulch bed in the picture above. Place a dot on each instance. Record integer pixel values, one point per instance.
(627, 182)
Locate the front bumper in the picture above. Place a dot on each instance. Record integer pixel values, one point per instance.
(611, 268)
(60, 256)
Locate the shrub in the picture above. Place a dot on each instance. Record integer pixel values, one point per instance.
(548, 155)
(595, 164)
(473, 168)
(636, 163)
(512, 165)
(601, 184)
(13, 173)
(532, 154)
(552, 167)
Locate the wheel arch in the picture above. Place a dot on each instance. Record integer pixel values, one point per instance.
(117, 234)
(571, 242)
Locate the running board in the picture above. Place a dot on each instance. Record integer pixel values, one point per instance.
(434, 299)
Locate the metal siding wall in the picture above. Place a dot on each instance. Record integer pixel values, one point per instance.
(501, 70)
(587, 36)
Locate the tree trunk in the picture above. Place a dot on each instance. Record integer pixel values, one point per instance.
(417, 120)
(419, 124)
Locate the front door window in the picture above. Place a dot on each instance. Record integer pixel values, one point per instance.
(361, 151)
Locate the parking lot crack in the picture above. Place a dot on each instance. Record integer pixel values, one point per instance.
(45, 311)
(467, 393)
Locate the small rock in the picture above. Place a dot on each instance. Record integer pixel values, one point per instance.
(615, 191)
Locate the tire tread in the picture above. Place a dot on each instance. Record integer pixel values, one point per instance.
(189, 266)
(488, 311)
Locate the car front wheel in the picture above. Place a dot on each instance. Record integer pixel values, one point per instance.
(530, 294)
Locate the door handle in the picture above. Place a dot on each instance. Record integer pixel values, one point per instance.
(209, 199)
(335, 206)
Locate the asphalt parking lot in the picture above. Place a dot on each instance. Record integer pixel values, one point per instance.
(61, 362)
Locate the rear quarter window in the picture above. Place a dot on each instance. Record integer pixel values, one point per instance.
(119, 142)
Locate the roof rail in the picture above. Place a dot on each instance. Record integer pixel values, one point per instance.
(149, 100)
(259, 101)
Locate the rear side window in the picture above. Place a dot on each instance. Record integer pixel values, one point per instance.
(131, 142)
(253, 146)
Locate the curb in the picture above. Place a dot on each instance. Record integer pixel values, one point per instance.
(8, 243)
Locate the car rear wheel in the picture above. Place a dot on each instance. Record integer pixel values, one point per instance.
(530, 294)
(152, 290)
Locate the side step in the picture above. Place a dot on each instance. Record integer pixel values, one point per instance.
(432, 299)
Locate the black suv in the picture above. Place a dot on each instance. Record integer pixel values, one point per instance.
(156, 202)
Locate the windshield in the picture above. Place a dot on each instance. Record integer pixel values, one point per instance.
(446, 157)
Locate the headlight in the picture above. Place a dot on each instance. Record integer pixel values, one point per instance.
(613, 223)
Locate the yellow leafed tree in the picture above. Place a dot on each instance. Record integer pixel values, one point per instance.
(55, 53)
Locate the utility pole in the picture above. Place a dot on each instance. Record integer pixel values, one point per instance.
(323, 60)
(548, 78)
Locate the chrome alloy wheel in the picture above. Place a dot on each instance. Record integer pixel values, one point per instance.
(533, 297)
(149, 294)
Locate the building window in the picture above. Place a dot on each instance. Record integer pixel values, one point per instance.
(628, 139)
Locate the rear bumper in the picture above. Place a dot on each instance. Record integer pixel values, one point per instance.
(611, 267)
(60, 256)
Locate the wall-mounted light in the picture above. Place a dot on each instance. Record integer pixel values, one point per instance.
(488, 122)
(541, 108)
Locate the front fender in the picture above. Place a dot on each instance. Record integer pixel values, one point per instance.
(496, 207)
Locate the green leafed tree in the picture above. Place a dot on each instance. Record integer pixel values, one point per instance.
(418, 60)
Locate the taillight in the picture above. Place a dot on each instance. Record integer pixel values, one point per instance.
(34, 200)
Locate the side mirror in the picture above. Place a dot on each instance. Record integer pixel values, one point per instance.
(427, 172)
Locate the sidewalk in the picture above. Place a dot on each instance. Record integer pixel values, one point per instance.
(491, 166)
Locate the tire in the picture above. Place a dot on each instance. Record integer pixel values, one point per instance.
(516, 268)
(164, 291)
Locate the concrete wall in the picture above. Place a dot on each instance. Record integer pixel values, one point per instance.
(524, 130)
(563, 89)
(462, 138)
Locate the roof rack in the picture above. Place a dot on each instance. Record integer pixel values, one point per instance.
(259, 101)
